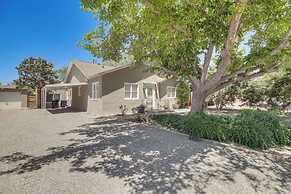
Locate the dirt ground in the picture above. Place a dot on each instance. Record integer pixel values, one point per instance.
(73, 152)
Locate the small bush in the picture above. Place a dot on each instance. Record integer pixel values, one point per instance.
(183, 93)
(259, 129)
(169, 120)
(206, 126)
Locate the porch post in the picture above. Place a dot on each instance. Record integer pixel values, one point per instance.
(43, 98)
(158, 95)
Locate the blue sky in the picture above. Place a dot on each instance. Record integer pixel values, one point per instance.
(46, 29)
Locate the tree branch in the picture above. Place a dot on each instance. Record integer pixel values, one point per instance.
(194, 81)
(195, 6)
(235, 73)
(231, 38)
(207, 61)
(168, 70)
(151, 7)
(244, 77)
(232, 81)
(199, 71)
(283, 44)
(184, 31)
(177, 27)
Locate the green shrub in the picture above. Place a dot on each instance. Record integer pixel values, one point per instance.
(169, 120)
(183, 93)
(206, 126)
(259, 129)
(253, 128)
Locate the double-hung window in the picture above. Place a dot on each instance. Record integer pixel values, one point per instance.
(171, 92)
(131, 91)
(95, 90)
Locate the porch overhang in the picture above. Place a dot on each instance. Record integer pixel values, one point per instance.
(62, 86)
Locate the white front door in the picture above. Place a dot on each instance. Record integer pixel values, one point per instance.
(150, 94)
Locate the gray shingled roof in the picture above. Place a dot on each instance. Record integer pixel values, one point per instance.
(90, 69)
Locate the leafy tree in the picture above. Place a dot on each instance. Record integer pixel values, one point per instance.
(252, 94)
(226, 96)
(62, 73)
(35, 73)
(183, 93)
(188, 38)
(124, 60)
(278, 94)
(273, 89)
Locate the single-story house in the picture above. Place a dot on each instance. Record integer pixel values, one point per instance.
(12, 98)
(102, 89)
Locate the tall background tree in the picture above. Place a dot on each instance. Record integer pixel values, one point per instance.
(186, 38)
(34, 74)
(61, 72)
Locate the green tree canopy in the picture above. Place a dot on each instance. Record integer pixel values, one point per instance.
(186, 38)
(269, 91)
(61, 72)
(35, 73)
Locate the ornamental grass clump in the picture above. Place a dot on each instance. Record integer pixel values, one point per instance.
(206, 126)
(259, 129)
(253, 128)
(169, 120)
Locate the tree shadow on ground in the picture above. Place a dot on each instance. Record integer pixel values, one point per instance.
(150, 159)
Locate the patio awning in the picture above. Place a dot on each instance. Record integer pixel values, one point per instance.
(56, 87)
(63, 85)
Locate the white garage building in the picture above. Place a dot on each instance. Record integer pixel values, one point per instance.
(12, 98)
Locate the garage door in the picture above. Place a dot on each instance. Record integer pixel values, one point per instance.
(10, 100)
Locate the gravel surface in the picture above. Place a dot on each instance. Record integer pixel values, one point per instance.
(57, 152)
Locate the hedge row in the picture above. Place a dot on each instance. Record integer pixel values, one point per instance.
(253, 128)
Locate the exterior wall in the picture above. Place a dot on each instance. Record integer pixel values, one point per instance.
(113, 88)
(111, 92)
(24, 99)
(80, 102)
(163, 92)
(76, 76)
(10, 100)
(95, 105)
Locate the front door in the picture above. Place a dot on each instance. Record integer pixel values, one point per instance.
(150, 95)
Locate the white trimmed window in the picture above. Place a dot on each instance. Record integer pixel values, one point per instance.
(171, 92)
(131, 91)
(95, 90)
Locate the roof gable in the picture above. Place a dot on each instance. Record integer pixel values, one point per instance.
(86, 68)
(114, 69)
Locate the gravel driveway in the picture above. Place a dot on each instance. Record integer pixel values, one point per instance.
(54, 152)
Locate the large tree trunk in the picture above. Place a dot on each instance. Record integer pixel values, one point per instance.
(198, 99)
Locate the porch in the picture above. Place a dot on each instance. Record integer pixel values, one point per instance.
(63, 92)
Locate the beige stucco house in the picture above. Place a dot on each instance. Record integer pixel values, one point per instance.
(102, 89)
(12, 97)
